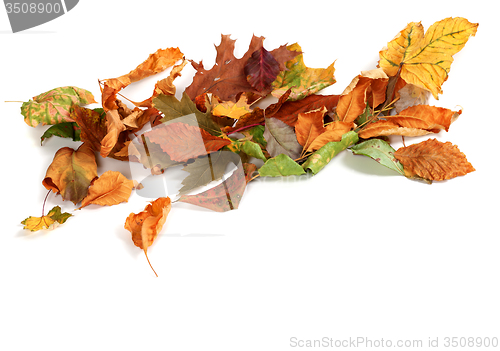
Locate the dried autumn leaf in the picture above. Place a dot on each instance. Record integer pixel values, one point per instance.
(232, 109)
(71, 173)
(227, 78)
(54, 106)
(281, 139)
(369, 84)
(303, 80)
(111, 188)
(224, 197)
(332, 132)
(49, 221)
(386, 128)
(155, 63)
(63, 130)
(182, 141)
(380, 151)
(261, 70)
(411, 95)
(114, 126)
(433, 160)
(289, 110)
(309, 126)
(146, 225)
(426, 117)
(425, 61)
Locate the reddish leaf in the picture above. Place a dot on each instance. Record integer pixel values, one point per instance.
(290, 110)
(261, 70)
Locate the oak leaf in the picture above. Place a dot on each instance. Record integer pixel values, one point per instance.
(146, 225)
(425, 60)
(111, 188)
(303, 80)
(49, 221)
(71, 172)
(227, 78)
(433, 160)
(54, 106)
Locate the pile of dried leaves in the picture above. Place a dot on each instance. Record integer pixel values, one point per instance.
(300, 133)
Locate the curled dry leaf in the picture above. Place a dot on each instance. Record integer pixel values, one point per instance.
(146, 225)
(71, 173)
(433, 160)
(111, 188)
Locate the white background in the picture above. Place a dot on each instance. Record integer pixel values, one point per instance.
(356, 251)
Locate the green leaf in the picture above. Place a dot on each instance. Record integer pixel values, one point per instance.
(54, 106)
(281, 165)
(320, 158)
(252, 149)
(257, 134)
(303, 80)
(173, 108)
(381, 152)
(63, 130)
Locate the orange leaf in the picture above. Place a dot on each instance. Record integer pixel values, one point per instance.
(182, 141)
(309, 126)
(146, 225)
(433, 160)
(114, 127)
(385, 128)
(109, 189)
(333, 132)
(369, 85)
(426, 117)
(71, 172)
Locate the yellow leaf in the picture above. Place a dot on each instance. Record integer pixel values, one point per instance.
(425, 61)
(232, 109)
(50, 221)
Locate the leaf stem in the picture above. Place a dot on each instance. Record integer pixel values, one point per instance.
(14, 101)
(147, 258)
(247, 127)
(44, 201)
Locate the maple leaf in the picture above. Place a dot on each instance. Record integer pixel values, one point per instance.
(227, 78)
(303, 80)
(433, 160)
(224, 197)
(146, 225)
(111, 188)
(281, 139)
(71, 172)
(261, 70)
(182, 141)
(425, 61)
(49, 221)
(54, 106)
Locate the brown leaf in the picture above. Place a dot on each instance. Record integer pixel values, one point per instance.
(182, 141)
(146, 225)
(227, 78)
(290, 110)
(333, 132)
(433, 160)
(426, 117)
(114, 126)
(386, 128)
(309, 126)
(111, 188)
(71, 172)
